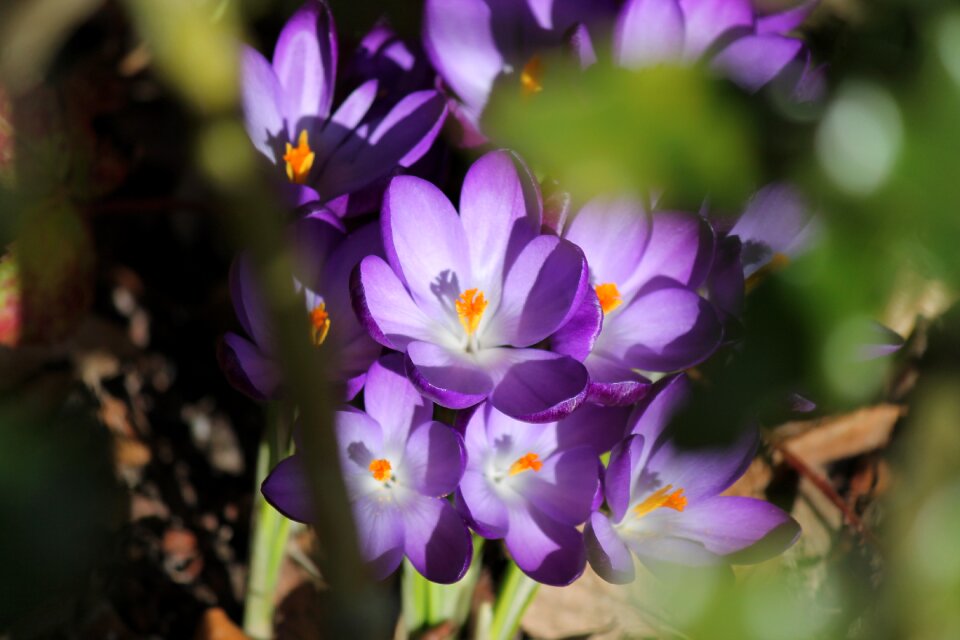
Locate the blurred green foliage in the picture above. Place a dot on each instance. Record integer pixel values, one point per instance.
(666, 128)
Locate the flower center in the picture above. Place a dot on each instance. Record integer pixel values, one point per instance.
(299, 159)
(319, 324)
(531, 77)
(662, 497)
(609, 296)
(470, 307)
(524, 463)
(380, 469)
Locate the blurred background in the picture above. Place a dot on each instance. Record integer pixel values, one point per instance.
(127, 462)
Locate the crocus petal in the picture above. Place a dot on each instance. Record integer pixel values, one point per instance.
(335, 277)
(624, 466)
(753, 529)
(436, 540)
(578, 42)
(542, 11)
(501, 212)
(537, 386)
(541, 292)
(392, 401)
(248, 303)
(263, 105)
(667, 327)
(612, 384)
(380, 529)
(248, 369)
(546, 550)
(435, 458)
(702, 472)
(360, 441)
(599, 428)
(384, 306)
(578, 335)
(347, 117)
(648, 32)
(409, 129)
(612, 234)
(707, 20)
(884, 342)
(657, 550)
(785, 21)
(725, 287)
(564, 487)
(287, 490)
(481, 506)
(414, 209)
(753, 61)
(607, 553)
(681, 247)
(458, 38)
(776, 220)
(305, 61)
(652, 415)
(449, 378)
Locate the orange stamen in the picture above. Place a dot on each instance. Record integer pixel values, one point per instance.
(299, 159)
(319, 324)
(531, 77)
(525, 462)
(380, 469)
(609, 296)
(662, 497)
(470, 307)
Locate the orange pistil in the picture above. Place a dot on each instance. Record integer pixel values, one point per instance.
(380, 468)
(299, 159)
(531, 77)
(662, 497)
(319, 324)
(525, 462)
(609, 296)
(470, 307)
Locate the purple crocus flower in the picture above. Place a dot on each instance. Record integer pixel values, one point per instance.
(287, 109)
(532, 485)
(326, 256)
(473, 44)
(646, 313)
(665, 503)
(750, 48)
(398, 464)
(775, 226)
(466, 297)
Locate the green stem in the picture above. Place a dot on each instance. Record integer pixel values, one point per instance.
(427, 604)
(515, 596)
(270, 533)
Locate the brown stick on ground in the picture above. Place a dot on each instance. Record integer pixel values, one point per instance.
(824, 486)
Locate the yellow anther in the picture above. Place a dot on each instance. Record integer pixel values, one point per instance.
(380, 468)
(662, 497)
(470, 307)
(609, 296)
(526, 462)
(319, 324)
(299, 159)
(531, 77)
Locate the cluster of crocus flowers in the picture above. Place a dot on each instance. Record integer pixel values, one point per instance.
(477, 45)
(543, 333)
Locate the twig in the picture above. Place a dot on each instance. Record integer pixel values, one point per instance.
(824, 486)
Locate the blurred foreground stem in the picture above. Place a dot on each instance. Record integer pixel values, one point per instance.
(515, 596)
(270, 533)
